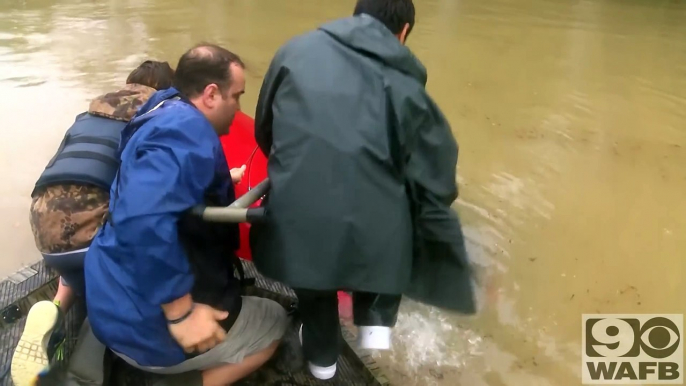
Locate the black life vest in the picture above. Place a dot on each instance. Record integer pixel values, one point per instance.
(87, 154)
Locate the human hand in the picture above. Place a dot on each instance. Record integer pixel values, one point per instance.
(200, 331)
(237, 174)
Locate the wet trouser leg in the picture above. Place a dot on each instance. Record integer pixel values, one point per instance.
(370, 309)
(322, 338)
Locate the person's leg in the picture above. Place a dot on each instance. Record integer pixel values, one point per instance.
(321, 330)
(375, 315)
(250, 342)
(72, 281)
(43, 334)
(232, 372)
(64, 298)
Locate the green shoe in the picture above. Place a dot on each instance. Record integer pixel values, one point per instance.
(38, 343)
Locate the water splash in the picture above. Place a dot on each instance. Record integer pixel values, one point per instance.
(429, 345)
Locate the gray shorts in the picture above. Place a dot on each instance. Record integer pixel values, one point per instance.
(260, 323)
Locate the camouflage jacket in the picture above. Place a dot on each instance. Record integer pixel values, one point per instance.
(66, 217)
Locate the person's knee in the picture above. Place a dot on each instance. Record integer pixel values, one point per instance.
(282, 318)
(278, 316)
(227, 374)
(271, 349)
(278, 325)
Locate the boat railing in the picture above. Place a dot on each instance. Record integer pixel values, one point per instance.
(239, 210)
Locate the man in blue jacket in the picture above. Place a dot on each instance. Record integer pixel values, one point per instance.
(160, 287)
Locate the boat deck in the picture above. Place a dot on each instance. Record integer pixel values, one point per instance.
(31, 284)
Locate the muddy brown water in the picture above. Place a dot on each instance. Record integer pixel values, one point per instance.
(570, 117)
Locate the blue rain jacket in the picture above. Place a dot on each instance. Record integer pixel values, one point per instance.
(170, 157)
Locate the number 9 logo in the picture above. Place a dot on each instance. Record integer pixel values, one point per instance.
(617, 337)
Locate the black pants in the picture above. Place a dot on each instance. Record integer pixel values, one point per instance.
(322, 338)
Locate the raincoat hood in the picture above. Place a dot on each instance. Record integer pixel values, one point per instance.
(364, 33)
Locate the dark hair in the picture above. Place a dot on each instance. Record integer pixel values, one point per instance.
(158, 75)
(394, 14)
(202, 65)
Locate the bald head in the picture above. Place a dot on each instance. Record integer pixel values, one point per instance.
(203, 65)
(212, 78)
(204, 50)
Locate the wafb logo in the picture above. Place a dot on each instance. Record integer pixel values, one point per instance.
(632, 349)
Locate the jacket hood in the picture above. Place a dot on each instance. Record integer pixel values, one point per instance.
(364, 33)
(121, 105)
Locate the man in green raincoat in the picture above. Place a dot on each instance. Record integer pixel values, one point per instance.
(362, 166)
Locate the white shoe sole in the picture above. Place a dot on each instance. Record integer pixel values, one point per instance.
(322, 373)
(374, 337)
(319, 372)
(31, 356)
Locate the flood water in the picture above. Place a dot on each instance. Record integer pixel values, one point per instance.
(571, 120)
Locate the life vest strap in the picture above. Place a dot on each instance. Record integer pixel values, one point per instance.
(94, 140)
(88, 155)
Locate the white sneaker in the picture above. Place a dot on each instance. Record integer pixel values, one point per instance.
(31, 354)
(319, 372)
(374, 337)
